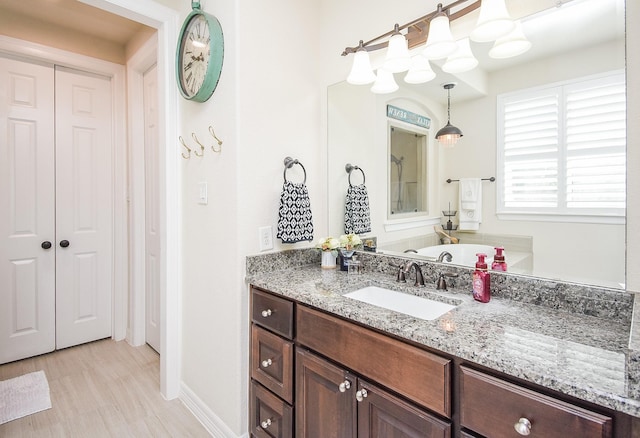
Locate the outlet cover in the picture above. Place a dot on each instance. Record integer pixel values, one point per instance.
(265, 235)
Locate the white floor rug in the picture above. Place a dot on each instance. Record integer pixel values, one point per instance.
(24, 395)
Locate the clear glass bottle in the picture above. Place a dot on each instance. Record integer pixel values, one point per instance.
(481, 280)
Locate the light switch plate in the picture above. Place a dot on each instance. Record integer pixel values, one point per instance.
(203, 196)
(265, 235)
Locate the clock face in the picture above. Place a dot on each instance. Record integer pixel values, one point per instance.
(194, 55)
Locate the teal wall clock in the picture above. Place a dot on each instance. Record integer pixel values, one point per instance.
(199, 55)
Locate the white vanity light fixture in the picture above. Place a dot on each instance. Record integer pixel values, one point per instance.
(385, 82)
(494, 21)
(420, 71)
(361, 71)
(440, 42)
(462, 59)
(448, 135)
(434, 29)
(513, 44)
(397, 59)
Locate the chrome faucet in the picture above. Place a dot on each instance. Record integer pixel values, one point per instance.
(445, 255)
(419, 276)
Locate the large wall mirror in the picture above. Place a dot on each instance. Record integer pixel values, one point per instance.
(580, 39)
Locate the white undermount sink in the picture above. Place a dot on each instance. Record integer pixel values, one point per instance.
(419, 307)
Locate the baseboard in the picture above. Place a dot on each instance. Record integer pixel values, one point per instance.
(214, 425)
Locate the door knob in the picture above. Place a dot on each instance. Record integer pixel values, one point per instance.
(46, 244)
(64, 243)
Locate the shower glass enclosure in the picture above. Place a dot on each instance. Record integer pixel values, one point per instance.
(407, 187)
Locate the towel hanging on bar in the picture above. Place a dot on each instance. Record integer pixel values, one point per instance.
(357, 217)
(470, 204)
(295, 223)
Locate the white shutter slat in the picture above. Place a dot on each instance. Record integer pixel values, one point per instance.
(563, 148)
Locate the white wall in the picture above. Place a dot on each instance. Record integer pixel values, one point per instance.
(266, 107)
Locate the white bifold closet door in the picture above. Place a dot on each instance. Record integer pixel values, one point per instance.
(56, 246)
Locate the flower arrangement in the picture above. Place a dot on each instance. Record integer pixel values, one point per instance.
(328, 244)
(350, 241)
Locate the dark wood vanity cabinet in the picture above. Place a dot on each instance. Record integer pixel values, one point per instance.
(315, 375)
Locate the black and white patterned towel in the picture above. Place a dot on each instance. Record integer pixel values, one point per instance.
(295, 223)
(357, 218)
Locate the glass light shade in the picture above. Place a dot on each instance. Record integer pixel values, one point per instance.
(513, 44)
(494, 21)
(385, 82)
(462, 59)
(361, 71)
(420, 71)
(397, 59)
(440, 42)
(449, 135)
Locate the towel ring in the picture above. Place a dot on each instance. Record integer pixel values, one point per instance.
(288, 164)
(349, 168)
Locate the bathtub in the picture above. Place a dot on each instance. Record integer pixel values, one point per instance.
(462, 253)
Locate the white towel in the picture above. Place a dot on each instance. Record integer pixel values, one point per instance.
(470, 199)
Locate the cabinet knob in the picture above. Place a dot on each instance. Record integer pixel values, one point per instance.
(523, 426)
(266, 423)
(64, 243)
(344, 386)
(266, 313)
(361, 395)
(267, 363)
(46, 244)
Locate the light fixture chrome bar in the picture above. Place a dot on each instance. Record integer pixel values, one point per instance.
(421, 25)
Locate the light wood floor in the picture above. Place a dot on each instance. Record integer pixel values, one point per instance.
(102, 389)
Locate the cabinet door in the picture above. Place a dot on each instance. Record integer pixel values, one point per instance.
(325, 403)
(381, 415)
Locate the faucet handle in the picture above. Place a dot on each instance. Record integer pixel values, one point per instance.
(401, 278)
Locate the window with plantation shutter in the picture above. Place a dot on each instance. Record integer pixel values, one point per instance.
(562, 151)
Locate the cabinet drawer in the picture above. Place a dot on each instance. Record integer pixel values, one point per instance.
(272, 312)
(272, 362)
(269, 417)
(491, 407)
(414, 373)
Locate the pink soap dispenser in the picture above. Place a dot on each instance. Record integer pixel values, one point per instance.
(498, 260)
(481, 280)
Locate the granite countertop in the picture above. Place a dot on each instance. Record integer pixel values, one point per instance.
(583, 356)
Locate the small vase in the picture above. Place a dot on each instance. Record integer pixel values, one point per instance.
(328, 260)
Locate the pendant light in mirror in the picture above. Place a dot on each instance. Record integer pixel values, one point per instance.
(462, 59)
(449, 135)
(494, 21)
(513, 44)
(420, 71)
(385, 82)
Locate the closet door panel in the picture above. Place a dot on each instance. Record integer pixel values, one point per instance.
(27, 202)
(84, 211)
